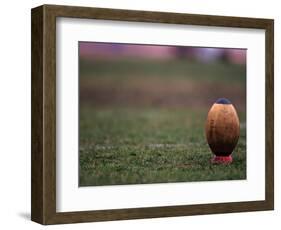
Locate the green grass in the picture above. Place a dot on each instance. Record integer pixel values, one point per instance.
(150, 145)
(122, 69)
(142, 121)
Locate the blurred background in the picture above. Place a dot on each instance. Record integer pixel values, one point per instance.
(174, 76)
(143, 110)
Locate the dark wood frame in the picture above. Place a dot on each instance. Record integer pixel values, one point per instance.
(43, 189)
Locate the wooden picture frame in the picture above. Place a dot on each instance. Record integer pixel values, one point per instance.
(43, 208)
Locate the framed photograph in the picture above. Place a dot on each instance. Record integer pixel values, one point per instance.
(140, 114)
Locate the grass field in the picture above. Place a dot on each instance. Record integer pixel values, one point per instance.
(155, 146)
(128, 140)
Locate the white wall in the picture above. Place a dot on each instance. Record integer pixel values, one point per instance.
(15, 113)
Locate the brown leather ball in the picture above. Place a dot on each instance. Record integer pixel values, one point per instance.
(222, 128)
